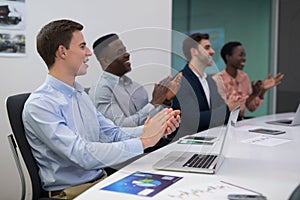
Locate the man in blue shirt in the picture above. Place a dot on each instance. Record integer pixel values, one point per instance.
(70, 140)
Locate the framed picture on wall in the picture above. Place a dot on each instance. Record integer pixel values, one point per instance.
(12, 26)
(12, 14)
(12, 44)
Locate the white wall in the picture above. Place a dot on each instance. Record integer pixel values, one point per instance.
(142, 24)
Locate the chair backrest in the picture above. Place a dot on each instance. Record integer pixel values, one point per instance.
(14, 105)
(295, 194)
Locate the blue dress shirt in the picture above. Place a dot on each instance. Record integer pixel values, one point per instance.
(70, 140)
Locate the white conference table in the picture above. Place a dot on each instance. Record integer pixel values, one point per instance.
(273, 171)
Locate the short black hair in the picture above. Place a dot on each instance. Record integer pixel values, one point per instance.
(227, 49)
(102, 42)
(191, 42)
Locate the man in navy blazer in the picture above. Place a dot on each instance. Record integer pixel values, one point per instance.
(198, 98)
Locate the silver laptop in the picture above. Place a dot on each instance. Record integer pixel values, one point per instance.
(200, 162)
(289, 122)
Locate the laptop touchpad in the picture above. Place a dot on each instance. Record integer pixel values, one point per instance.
(175, 158)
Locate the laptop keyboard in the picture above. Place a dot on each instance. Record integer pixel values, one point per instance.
(200, 161)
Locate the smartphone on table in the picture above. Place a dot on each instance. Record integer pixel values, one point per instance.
(267, 131)
(246, 197)
(210, 139)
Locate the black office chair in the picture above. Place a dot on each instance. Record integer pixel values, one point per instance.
(87, 89)
(296, 194)
(14, 105)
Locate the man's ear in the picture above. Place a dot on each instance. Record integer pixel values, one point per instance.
(61, 51)
(227, 57)
(106, 61)
(193, 51)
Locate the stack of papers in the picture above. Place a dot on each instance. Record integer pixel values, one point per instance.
(217, 190)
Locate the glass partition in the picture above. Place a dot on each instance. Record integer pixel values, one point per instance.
(249, 22)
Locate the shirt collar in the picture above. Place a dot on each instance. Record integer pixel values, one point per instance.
(201, 78)
(124, 79)
(63, 87)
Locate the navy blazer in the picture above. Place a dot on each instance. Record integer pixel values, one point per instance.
(196, 114)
